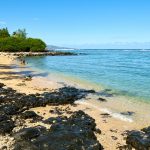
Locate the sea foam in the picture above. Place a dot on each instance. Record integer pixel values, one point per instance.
(105, 110)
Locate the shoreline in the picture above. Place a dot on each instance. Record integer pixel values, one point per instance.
(117, 105)
(47, 53)
(11, 74)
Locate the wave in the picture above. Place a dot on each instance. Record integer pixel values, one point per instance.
(105, 110)
(145, 50)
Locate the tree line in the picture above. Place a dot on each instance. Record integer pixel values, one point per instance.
(19, 42)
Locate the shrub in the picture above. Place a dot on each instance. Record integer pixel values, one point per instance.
(4, 33)
(13, 44)
(19, 43)
(36, 45)
(20, 33)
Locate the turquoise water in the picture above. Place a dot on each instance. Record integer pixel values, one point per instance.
(127, 72)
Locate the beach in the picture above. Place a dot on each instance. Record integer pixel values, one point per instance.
(113, 130)
(74, 75)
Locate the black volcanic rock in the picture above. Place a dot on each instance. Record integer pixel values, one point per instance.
(9, 109)
(146, 130)
(128, 113)
(1, 85)
(25, 145)
(29, 115)
(139, 140)
(58, 119)
(76, 133)
(3, 117)
(102, 99)
(73, 133)
(6, 126)
(27, 134)
(65, 95)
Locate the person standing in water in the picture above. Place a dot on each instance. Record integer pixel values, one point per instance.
(22, 60)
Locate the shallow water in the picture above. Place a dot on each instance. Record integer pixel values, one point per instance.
(119, 76)
(125, 72)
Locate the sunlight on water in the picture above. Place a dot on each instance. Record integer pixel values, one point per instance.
(125, 72)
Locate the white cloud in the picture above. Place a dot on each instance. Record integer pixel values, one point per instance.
(3, 23)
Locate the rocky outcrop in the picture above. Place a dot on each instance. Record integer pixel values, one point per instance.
(30, 115)
(139, 140)
(73, 133)
(102, 99)
(14, 103)
(29, 133)
(58, 119)
(9, 109)
(1, 85)
(6, 124)
(46, 53)
(65, 95)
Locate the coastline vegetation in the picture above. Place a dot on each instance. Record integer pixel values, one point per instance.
(19, 42)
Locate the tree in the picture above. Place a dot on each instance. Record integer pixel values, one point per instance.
(19, 43)
(36, 45)
(13, 44)
(4, 33)
(20, 33)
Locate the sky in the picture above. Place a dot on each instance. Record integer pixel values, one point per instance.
(81, 23)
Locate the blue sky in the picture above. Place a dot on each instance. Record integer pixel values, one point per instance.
(81, 23)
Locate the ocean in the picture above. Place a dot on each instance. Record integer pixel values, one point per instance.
(124, 72)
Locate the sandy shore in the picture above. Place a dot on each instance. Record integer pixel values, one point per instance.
(113, 129)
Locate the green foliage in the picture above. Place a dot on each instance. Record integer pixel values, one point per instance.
(20, 33)
(19, 43)
(36, 45)
(11, 44)
(4, 33)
